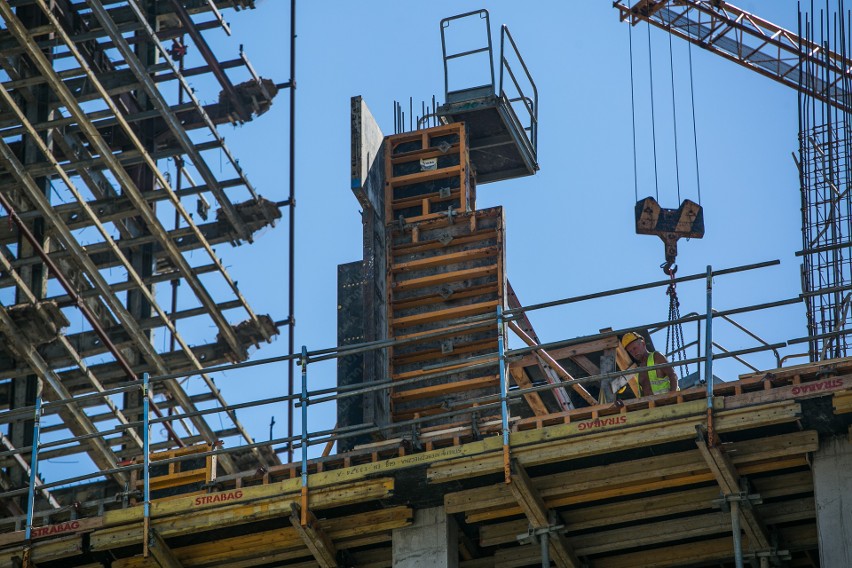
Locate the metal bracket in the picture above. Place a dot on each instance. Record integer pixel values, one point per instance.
(745, 498)
(773, 554)
(532, 535)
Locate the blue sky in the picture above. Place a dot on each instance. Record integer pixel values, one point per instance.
(570, 228)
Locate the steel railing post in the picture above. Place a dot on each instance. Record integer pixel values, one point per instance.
(146, 463)
(33, 465)
(708, 355)
(738, 538)
(303, 400)
(504, 391)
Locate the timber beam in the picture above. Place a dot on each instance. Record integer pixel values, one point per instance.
(161, 552)
(316, 539)
(729, 481)
(539, 516)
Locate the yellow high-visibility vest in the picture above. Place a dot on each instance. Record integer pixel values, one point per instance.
(659, 384)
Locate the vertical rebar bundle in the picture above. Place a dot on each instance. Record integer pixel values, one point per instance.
(824, 157)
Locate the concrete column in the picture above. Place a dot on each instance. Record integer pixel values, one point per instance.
(431, 542)
(833, 495)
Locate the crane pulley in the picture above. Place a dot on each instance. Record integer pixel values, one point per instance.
(671, 225)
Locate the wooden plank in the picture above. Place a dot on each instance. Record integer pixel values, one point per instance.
(801, 391)
(489, 381)
(76, 526)
(445, 259)
(531, 503)
(563, 374)
(162, 554)
(444, 278)
(709, 550)
(425, 154)
(571, 351)
(348, 531)
(652, 426)
(191, 516)
(580, 439)
(488, 345)
(726, 475)
(316, 539)
(426, 176)
(803, 369)
(704, 552)
(431, 297)
(842, 402)
(638, 476)
(428, 245)
(424, 199)
(458, 329)
(445, 314)
(442, 368)
(533, 399)
(45, 550)
(648, 534)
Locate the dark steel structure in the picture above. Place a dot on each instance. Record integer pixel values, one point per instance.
(104, 150)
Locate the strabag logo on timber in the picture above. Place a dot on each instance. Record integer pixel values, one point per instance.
(55, 529)
(817, 387)
(218, 497)
(600, 422)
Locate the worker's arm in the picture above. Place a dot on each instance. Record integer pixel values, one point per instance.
(668, 371)
(644, 384)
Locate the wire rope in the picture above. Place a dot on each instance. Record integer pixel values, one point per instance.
(653, 119)
(633, 114)
(674, 116)
(694, 129)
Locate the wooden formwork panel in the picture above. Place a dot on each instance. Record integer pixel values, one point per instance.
(427, 173)
(441, 272)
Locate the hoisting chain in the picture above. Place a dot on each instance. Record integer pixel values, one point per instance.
(674, 332)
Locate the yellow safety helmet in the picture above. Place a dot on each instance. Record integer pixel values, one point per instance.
(629, 338)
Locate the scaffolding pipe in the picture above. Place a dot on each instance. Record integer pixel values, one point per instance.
(656, 284)
(545, 550)
(738, 537)
(708, 352)
(304, 435)
(354, 432)
(504, 393)
(33, 465)
(291, 296)
(146, 471)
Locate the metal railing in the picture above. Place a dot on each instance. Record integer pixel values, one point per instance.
(529, 104)
(307, 399)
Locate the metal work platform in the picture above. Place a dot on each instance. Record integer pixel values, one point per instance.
(501, 119)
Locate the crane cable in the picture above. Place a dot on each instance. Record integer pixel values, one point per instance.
(675, 346)
(633, 115)
(653, 118)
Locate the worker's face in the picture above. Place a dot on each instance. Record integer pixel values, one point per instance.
(637, 349)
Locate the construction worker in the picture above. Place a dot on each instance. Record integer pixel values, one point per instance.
(655, 381)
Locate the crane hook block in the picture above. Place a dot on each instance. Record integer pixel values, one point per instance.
(687, 221)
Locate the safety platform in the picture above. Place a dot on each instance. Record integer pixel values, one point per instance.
(501, 118)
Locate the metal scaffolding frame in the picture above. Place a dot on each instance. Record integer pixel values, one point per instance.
(92, 104)
(498, 403)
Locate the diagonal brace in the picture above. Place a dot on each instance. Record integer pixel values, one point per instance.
(317, 540)
(533, 506)
(729, 481)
